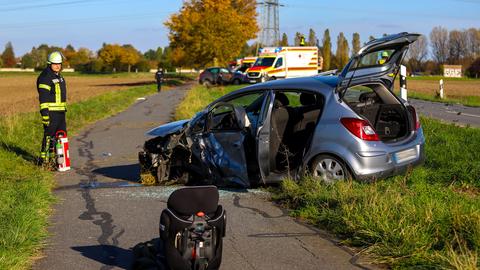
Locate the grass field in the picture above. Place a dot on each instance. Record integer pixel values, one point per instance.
(25, 189)
(426, 219)
(457, 90)
(19, 94)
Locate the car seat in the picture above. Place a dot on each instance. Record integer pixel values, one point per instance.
(192, 228)
(280, 129)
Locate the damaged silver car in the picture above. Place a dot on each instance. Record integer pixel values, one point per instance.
(350, 125)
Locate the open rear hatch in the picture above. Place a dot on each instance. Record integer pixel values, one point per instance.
(366, 85)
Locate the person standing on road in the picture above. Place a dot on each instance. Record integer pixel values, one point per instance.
(159, 79)
(52, 94)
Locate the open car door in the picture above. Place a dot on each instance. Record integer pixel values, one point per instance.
(263, 137)
(378, 61)
(224, 145)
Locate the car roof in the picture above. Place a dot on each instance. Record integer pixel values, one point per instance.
(320, 84)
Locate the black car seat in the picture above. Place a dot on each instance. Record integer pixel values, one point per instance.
(309, 110)
(192, 229)
(280, 128)
(369, 106)
(307, 118)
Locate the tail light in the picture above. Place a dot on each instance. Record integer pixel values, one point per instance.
(360, 128)
(415, 118)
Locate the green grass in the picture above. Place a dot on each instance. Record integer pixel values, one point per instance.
(199, 97)
(426, 219)
(25, 189)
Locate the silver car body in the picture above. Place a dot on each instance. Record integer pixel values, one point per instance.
(220, 155)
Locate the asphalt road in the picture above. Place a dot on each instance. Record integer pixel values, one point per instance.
(450, 113)
(102, 212)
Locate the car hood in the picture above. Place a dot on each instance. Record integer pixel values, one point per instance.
(168, 129)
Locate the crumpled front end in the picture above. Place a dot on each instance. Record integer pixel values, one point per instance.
(182, 152)
(165, 157)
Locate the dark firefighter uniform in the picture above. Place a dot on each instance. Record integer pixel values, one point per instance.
(52, 93)
(159, 79)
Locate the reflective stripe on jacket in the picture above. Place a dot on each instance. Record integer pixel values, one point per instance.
(52, 91)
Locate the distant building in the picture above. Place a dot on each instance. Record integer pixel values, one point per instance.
(452, 71)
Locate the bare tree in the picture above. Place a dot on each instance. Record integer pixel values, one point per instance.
(457, 44)
(439, 44)
(417, 53)
(473, 43)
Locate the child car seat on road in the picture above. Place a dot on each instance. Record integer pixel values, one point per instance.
(192, 229)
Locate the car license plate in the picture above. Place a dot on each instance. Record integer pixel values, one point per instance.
(405, 155)
(253, 81)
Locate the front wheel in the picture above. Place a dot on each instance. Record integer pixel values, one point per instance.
(264, 78)
(207, 83)
(329, 169)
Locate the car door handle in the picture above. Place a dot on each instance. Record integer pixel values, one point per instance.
(236, 144)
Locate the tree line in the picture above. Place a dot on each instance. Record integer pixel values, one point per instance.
(427, 55)
(211, 32)
(110, 58)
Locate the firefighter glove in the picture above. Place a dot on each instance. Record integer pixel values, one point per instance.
(46, 120)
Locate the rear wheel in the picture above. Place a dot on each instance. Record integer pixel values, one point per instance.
(329, 169)
(236, 82)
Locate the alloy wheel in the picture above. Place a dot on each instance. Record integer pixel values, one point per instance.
(329, 170)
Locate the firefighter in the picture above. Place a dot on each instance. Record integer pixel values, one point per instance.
(384, 58)
(159, 79)
(302, 40)
(52, 94)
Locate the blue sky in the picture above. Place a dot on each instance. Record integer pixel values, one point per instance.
(89, 23)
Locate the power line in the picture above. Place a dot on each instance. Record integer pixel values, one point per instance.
(47, 5)
(82, 20)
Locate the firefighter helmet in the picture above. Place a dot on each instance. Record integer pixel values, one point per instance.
(55, 57)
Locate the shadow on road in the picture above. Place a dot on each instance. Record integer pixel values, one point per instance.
(125, 172)
(144, 255)
(108, 255)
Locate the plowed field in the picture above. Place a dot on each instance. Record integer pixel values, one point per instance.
(452, 88)
(18, 93)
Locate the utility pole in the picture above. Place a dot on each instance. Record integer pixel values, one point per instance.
(269, 23)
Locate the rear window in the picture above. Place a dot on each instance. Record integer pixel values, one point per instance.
(357, 94)
(376, 58)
